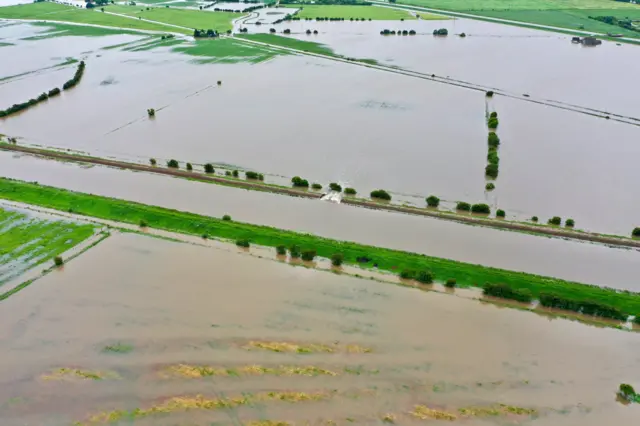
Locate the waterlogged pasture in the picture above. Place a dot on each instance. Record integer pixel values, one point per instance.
(364, 135)
(27, 241)
(230, 338)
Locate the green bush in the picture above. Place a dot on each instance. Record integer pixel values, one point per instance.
(585, 307)
(462, 206)
(254, 175)
(143, 223)
(506, 292)
(381, 194)
(281, 250)
(534, 219)
(235, 173)
(407, 274)
(493, 115)
(227, 173)
(350, 191)
(58, 261)
(425, 277)
(299, 182)
(489, 93)
(500, 213)
(481, 208)
(451, 283)
(337, 259)
(493, 140)
(308, 255)
(636, 232)
(226, 217)
(627, 392)
(153, 161)
(189, 167)
(294, 251)
(173, 164)
(569, 223)
(492, 157)
(316, 186)
(556, 220)
(491, 170)
(243, 243)
(205, 236)
(490, 186)
(433, 201)
(493, 123)
(335, 187)
(208, 168)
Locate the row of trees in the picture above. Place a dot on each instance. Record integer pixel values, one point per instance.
(586, 307)
(399, 32)
(210, 33)
(557, 221)
(254, 175)
(45, 95)
(493, 160)
(441, 32)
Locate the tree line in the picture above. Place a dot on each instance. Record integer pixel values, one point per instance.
(45, 95)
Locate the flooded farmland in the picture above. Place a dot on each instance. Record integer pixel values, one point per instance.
(410, 136)
(155, 332)
(570, 260)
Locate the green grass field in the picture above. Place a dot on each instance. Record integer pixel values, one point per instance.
(570, 14)
(26, 242)
(367, 12)
(199, 19)
(289, 42)
(57, 12)
(391, 260)
(228, 51)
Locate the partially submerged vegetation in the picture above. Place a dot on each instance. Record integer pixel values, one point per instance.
(199, 371)
(385, 259)
(74, 373)
(304, 348)
(45, 95)
(426, 413)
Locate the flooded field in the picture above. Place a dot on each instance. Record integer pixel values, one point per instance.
(582, 262)
(28, 240)
(409, 136)
(146, 331)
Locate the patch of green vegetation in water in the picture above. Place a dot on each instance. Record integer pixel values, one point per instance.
(466, 274)
(26, 242)
(228, 51)
(119, 348)
(53, 29)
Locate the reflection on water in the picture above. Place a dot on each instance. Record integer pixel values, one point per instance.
(181, 304)
(408, 136)
(582, 262)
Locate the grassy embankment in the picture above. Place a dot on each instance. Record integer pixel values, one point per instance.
(570, 14)
(58, 12)
(386, 259)
(27, 242)
(347, 12)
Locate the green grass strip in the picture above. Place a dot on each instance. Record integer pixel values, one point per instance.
(466, 274)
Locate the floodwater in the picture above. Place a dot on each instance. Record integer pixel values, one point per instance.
(171, 303)
(576, 261)
(331, 121)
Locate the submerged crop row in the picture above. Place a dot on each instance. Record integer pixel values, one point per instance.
(465, 274)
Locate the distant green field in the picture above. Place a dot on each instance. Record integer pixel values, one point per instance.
(570, 14)
(26, 242)
(200, 19)
(228, 51)
(367, 12)
(575, 19)
(57, 12)
(467, 5)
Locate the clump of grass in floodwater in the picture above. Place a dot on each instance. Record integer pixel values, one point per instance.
(496, 410)
(305, 348)
(199, 402)
(197, 371)
(425, 413)
(73, 373)
(120, 348)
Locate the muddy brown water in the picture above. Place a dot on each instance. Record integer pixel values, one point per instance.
(178, 303)
(322, 120)
(571, 260)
